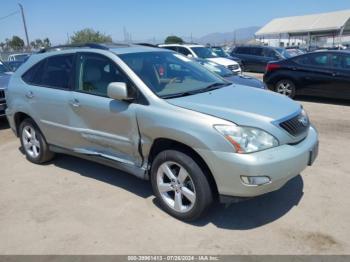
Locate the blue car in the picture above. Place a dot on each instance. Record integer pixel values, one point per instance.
(230, 76)
(5, 74)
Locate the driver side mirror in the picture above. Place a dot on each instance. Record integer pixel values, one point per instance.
(118, 91)
(190, 56)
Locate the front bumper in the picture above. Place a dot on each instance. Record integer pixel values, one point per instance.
(280, 164)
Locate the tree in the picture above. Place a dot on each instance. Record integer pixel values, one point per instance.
(46, 42)
(38, 43)
(89, 35)
(16, 43)
(173, 39)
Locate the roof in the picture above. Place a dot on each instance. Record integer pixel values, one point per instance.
(315, 23)
(186, 45)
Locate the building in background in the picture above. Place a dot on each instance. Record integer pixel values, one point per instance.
(309, 31)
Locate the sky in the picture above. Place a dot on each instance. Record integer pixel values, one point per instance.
(148, 19)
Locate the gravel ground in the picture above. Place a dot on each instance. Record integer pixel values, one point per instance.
(72, 206)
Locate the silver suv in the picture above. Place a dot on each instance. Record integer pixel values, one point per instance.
(160, 116)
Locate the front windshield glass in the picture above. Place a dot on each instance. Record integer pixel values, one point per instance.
(283, 52)
(219, 52)
(169, 74)
(204, 52)
(3, 68)
(217, 69)
(22, 57)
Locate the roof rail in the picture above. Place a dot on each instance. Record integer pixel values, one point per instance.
(84, 45)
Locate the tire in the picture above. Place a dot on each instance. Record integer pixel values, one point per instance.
(189, 195)
(33, 143)
(285, 87)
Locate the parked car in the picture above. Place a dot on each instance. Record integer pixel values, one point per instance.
(18, 57)
(323, 73)
(200, 51)
(294, 52)
(13, 65)
(160, 116)
(5, 74)
(238, 79)
(220, 52)
(255, 58)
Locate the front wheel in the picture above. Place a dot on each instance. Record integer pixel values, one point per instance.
(180, 185)
(285, 87)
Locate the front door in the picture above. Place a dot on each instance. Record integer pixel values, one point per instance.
(103, 126)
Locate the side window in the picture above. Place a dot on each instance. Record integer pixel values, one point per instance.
(54, 72)
(57, 71)
(184, 51)
(270, 53)
(257, 51)
(317, 60)
(241, 50)
(340, 61)
(95, 72)
(346, 62)
(33, 75)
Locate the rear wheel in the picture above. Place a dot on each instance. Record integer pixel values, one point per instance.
(180, 185)
(33, 143)
(285, 87)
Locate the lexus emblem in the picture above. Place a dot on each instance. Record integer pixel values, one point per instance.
(303, 120)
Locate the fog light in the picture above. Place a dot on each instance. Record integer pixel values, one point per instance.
(255, 180)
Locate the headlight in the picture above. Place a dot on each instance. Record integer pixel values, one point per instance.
(247, 139)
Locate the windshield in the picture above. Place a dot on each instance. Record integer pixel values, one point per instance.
(3, 68)
(169, 74)
(21, 57)
(219, 51)
(217, 69)
(283, 52)
(204, 52)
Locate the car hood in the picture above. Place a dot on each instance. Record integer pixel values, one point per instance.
(246, 81)
(222, 61)
(239, 104)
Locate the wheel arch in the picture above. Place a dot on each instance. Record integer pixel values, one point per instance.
(161, 144)
(19, 117)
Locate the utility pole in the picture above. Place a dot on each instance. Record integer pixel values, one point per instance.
(25, 25)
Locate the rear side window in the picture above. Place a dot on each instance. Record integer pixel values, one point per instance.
(256, 51)
(317, 60)
(340, 61)
(54, 72)
(241, 50)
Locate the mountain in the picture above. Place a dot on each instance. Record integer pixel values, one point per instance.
(241, 35)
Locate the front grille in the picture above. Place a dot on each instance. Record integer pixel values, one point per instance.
(296, 125)
(233, 67)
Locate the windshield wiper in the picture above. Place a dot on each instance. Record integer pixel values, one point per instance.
(212, 87)
(206, 89)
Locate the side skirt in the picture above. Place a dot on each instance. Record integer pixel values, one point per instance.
(140, 172)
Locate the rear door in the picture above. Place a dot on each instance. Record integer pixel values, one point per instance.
(340, 63)
(48, 88)
(315, 74)
(103, 126)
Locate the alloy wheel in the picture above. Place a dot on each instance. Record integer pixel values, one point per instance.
(176, 187)
(284, 88)
(31, 143)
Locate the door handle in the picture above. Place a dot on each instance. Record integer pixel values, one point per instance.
(30, 95)
(335, 74)
(75, 103)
